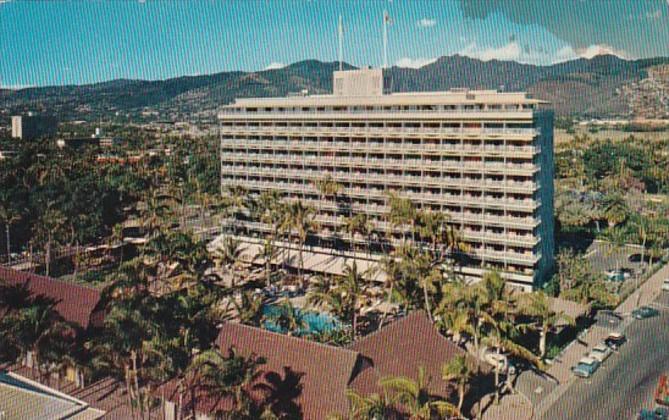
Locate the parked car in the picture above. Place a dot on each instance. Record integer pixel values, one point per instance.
(600, 352)
(665, 286)
(660, 413)
(615, 340)
(586, 367)
(645, 312)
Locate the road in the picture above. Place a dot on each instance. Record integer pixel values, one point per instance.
(626, 381)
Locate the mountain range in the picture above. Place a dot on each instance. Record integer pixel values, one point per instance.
(599, 87)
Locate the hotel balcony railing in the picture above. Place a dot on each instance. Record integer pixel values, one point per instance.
(523, 258)
(527, 222)
(228, 113)
(382, 131)
(516, 168)
(526, 187)
(529, 151)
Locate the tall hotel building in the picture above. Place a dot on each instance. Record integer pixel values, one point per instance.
(485, 158)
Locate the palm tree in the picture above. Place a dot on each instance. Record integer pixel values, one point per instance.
(250, 309)
(272, 211)
(617, 241)
(8, 216)
(402, 212)
(414, 396)
(345, 297)
(615, 209)
(281, 392)
(300, 219)
(237, 201)
(48, 230)
(537, 306)
(288, 318)
(13, 298)
(458, 370)
(229, 254)
(117, 238)
(365, 407)
(327, 187)
(499, 316)
(225, 376)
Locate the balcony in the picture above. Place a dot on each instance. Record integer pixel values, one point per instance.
(382, 131)
(376, 147)
(527, 187)
(521, 169)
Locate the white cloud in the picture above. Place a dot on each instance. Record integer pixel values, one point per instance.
(565, 53)
(510, 51)
(599, 49)
(427, 22)
(414, 63)
(15, 87)
(274, 66)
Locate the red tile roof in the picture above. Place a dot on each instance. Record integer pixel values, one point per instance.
(327, 371)
(74, 302)
(403, 346)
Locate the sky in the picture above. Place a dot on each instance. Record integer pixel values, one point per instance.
(63, 42)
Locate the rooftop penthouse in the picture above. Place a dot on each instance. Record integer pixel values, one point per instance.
(485, 158)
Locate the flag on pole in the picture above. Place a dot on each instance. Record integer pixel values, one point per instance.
(386, 18)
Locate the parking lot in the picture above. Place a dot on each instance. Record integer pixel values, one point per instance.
(604, 257)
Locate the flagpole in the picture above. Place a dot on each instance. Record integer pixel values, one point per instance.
(385, 39)
(341, 43)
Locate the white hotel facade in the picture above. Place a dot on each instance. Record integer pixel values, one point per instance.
(484, 158)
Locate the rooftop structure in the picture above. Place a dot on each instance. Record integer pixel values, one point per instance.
(75, 303)
(320, 374)
(484, 158)
(21, 398)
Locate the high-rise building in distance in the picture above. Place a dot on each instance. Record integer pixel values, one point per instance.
(485, 158)
(29, 127)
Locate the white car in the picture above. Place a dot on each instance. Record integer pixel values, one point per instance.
(665, 286)
(600, 352)
(586, 367)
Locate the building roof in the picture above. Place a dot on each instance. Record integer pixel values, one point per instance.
(74, 302)
(400, 348)
(325, 372)
(26, 399)
(452, 97)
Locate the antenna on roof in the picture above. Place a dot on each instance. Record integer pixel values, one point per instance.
(341, 43)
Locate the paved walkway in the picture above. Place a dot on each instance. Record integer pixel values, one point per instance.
(511, 407)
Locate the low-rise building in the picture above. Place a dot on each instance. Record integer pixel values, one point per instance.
(315, 376)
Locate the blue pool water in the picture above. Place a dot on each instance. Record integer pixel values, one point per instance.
(316, 322)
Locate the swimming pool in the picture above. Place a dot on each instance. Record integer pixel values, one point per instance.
(316, 323)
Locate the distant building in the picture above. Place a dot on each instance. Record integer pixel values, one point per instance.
(29, 127)
(91, 141)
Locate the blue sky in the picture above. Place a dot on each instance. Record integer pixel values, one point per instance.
(74, 42)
